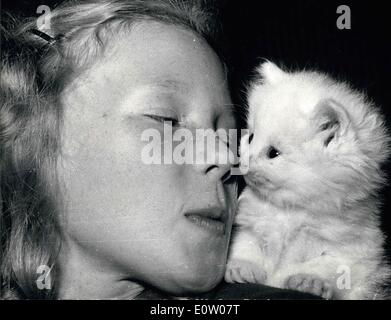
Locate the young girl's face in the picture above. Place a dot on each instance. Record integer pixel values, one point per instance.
(128, 219)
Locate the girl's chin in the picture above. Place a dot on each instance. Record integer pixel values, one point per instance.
(201, 280)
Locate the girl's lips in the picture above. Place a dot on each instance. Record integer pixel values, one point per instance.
(213, 220)
(216, 226)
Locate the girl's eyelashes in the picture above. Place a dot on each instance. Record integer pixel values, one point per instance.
(162, 119)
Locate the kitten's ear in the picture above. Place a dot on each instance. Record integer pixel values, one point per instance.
(270, 72)
(331, 120)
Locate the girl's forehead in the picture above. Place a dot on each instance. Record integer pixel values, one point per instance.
(158, 64)
(157, 48)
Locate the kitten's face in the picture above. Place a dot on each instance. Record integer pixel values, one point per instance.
(302, 148)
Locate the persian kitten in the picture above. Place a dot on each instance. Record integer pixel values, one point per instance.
(308, 217)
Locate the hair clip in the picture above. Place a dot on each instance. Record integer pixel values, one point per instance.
(50, 40)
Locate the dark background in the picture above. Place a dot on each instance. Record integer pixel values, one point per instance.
(303, 33)
(298, 34)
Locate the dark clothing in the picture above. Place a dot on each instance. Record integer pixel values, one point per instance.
(237, 291)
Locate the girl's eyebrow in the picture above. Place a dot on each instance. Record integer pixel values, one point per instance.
(170, 84)
(153, 88)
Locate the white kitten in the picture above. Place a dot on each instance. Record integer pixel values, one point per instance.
(308, 218)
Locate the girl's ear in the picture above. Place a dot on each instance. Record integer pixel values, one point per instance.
(331, 120)
(270, 72)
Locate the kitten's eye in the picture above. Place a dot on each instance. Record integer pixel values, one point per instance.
(251, 137)
(272, 153)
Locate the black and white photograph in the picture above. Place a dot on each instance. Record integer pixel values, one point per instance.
(195, 150)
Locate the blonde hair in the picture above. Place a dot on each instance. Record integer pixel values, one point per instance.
(34, 72)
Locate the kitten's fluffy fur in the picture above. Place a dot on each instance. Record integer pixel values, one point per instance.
(308, 219)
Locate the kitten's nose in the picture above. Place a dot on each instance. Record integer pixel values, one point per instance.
(250, 138)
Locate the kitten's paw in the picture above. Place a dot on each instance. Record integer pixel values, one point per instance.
(309, 284)
(242, 271)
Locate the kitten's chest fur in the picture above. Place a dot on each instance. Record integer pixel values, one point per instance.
(321, 242)
(287, 235)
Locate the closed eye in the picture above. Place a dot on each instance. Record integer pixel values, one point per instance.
(162, 119)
